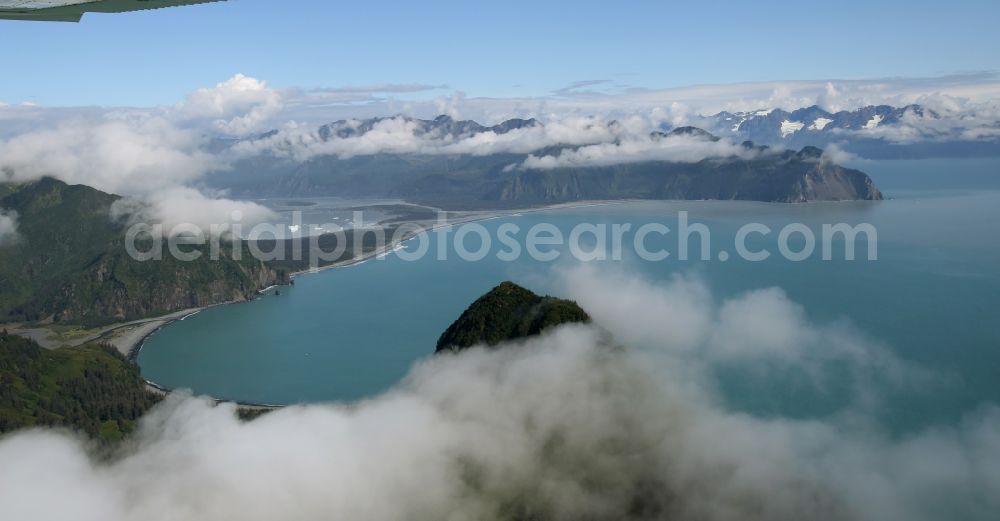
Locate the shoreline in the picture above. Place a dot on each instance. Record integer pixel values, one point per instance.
(135, 348)
(129, 338)
(133, 356)
(129, 343)
(475, 216)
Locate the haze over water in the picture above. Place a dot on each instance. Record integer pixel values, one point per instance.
(350, 333)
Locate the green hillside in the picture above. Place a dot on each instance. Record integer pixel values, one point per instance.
(91, 389)
(70, 264)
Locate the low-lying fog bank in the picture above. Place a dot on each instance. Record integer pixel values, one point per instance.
(567, 426)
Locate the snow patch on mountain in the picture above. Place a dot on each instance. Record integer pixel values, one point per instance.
(872, 123)
(820, 123)
(790, 127)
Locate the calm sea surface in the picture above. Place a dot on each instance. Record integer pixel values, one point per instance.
(933, 297)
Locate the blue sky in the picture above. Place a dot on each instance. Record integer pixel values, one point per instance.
(500, 49)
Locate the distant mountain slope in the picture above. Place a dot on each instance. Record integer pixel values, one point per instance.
(764, 126)
(90, 389)
(508, 312)
(788, 177)
(466, 181)
(862, 131)
(70, 264)
(440, 126)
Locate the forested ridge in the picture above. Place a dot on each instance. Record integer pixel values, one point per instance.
(91, 389)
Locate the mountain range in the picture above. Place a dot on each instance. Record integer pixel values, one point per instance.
(862, 131)
(440, 126)
(764, 125)
(473, 181)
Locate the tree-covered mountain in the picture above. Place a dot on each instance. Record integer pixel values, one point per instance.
(508, 312)
(69, 263)
(91, 389)
(502, 179)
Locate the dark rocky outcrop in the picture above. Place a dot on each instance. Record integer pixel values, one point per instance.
(508, 312)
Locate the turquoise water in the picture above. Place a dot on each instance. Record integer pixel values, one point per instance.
(348, 333)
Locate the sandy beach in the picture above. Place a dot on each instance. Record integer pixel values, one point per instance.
(465, 217)
(123, 336)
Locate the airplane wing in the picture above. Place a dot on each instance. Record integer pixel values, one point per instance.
(73, 10)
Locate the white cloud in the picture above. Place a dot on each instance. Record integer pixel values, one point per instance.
(679, 105)
(836, 155)
(401, 135)
(951, 120)
(151, 155)
(178, 205)
(139, 152)
(634, 149)
(118, 153)
(600, 142)
(8, 227)
(681, 318)
(967, 106)
(674, 315)
(144, 157)
(236, 106)
(364, 93)
(832, 95)
(564, 427)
